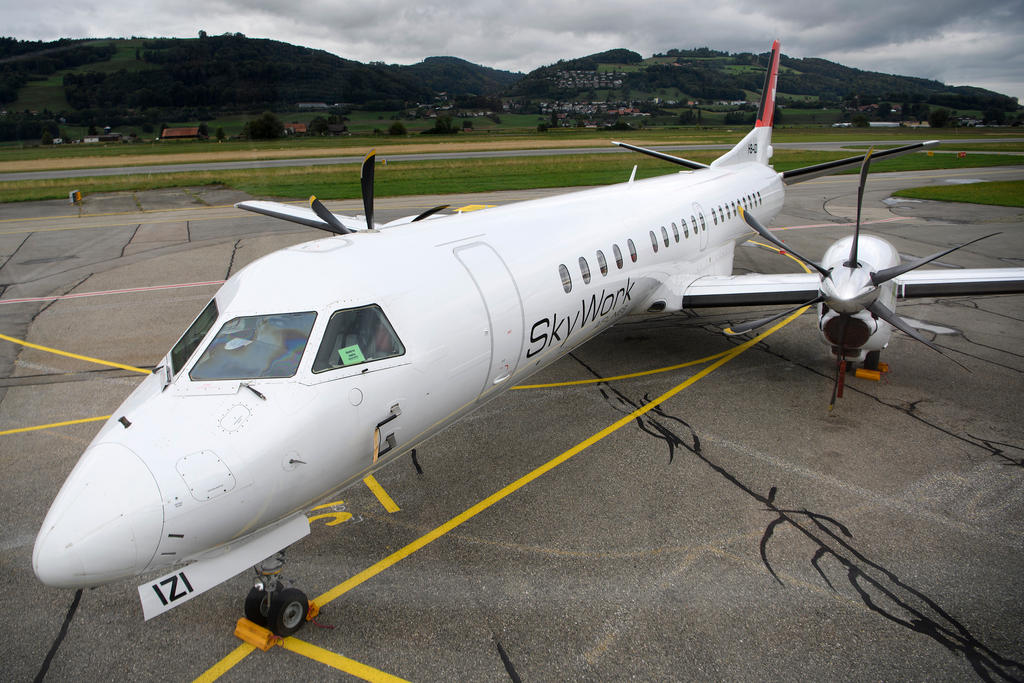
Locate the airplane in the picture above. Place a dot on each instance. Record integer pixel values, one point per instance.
(318, 364)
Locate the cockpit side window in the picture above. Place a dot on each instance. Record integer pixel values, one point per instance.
(189, 341)
(355, 336)
(256, 347)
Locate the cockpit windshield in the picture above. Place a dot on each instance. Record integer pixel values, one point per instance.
(256, 346)
(189, 341)
(355, 336)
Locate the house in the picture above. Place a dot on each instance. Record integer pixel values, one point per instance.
(191, 133)
(295, 128)
(105, 137)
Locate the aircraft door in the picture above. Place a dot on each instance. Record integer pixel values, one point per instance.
(504, 307)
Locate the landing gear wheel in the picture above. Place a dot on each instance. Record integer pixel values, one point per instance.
(871, 360)
(257, 606)
(287, 611)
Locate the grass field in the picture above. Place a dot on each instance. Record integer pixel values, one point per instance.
(1004, 193)
(469, 175)
(96, 155)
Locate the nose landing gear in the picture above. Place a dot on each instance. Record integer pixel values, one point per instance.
(272, 605)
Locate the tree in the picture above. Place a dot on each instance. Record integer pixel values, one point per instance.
(204, 130)
(264, 127)
(47, 138)
(859, 121)
(220, 134)
(318, 126)
(397, 128)
(995, 117)
(443, 126)
(939, 118)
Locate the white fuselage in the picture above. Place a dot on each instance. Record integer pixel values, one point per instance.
(478, 301)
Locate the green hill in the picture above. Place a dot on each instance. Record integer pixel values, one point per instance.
(223, 73)
(705, 74)
(457, 77)
(143, 82)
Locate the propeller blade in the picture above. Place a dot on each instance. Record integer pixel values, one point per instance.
(366, 185)
(879, 309)
(664, 157)
(430, 212)
(852, 261)
(763, 232)
(754, 324)
(889, 273)
(334, 225)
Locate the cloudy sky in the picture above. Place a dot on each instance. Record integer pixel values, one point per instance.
(959, 42)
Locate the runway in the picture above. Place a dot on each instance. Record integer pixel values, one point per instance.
(739, 531)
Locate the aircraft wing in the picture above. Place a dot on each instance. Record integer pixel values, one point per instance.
(798, 175)
(796, 288)
(299, 214)
(745, 290)
(959, 282)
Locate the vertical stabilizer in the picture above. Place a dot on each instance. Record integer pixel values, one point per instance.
(757, 145)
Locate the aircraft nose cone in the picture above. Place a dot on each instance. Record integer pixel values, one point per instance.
(105, 523)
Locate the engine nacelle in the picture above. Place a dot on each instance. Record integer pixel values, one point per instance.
(857, 334)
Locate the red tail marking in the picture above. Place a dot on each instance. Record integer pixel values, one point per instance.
(766, 113)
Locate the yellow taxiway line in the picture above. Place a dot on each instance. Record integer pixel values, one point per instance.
(336, 661)
(228, 662)
(381, 494)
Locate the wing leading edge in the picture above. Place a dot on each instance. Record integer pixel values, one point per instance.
(795, 288)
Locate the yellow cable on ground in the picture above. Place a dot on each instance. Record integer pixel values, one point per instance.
(108, 363)
(54, 424)
(631, 375)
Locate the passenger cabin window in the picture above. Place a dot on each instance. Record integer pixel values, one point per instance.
(585, 270)
(355, 336)
(703, 223)
(602, 263)
(189, 341)
(632, 250)
(255, 347)
(686, 228)
(714, 215)
(618, 256)
(664, 235)
(563, 273)
(654, 241)
(675, 231)
(693, 223)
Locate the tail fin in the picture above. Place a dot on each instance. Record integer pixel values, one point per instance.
(757, 145)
